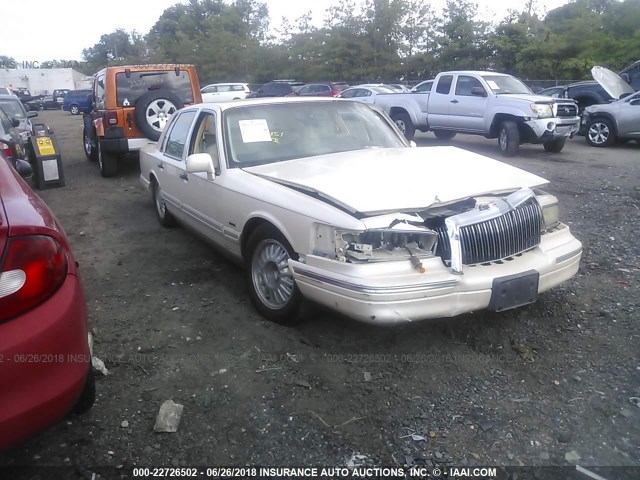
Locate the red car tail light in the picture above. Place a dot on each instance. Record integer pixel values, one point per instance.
(33, 268)
(7, 150)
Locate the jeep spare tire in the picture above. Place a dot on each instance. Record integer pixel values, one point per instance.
(153, 111)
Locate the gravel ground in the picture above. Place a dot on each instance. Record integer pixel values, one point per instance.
(549, 384)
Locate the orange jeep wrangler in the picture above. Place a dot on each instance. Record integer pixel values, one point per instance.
(131, 106)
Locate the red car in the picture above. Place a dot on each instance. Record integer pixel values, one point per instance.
(45, 364)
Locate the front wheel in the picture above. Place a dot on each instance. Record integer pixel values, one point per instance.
(404, 123)
(444, 134)
(107, 162)
(599, 132)
(554, 145)
(74, 109)
(272, 288)
(509, 138)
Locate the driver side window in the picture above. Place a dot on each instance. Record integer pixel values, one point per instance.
(205, 139)
(177, 138)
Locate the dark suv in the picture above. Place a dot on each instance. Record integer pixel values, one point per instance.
(322, 89)
(277, 88)
(584, 93)
(77, 101)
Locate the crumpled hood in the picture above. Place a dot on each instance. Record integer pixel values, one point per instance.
(377, 181)
(611, 82)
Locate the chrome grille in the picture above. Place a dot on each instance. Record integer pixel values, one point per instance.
(565, 110)
(497, 238)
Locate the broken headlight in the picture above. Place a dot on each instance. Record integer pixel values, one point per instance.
(402, 240)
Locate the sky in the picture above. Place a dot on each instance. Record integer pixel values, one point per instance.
(63, 34)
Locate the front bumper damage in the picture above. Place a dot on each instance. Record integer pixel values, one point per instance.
(393, 292)
(544, 129)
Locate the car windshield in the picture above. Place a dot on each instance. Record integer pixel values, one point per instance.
(131, 88)
(501, 84)
(270, 133)
(13, 108)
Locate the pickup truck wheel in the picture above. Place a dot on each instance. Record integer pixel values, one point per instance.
(165, 217)
(599, 132)
(107, 162)
(555, 145)
(74, 109)
(90, 149)
(154, 110)
(444, 134)
(272, 289)
(403, 121)
(509, 138)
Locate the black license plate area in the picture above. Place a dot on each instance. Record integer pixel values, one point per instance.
(514, 291)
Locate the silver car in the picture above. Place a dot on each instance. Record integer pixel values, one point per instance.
(605, 123)
(14, 109)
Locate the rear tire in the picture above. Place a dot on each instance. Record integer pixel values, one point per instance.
(444, 134)
(404, 123)
(272, 289)
(555, 145)
(74, 110)
(509, 138)
(90, 148)
(88, 394)
(107, 162)
(165, 217)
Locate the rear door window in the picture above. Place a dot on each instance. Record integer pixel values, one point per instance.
(130, 88)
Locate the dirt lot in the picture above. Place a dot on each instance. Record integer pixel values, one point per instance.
(549, 384)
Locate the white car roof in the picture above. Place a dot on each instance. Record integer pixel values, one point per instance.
(269, 101)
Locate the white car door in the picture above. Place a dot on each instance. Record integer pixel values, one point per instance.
(202, 196)
(210, 93)
(171, 168)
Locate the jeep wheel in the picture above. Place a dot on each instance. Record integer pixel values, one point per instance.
(444, 134)
(509, 138)
(89, 143)
(74, 110)
(554, 145)
(107, 162)
(599, 132)
(403, 122)
(153, 110)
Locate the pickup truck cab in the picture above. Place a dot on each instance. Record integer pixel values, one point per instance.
(491, 104)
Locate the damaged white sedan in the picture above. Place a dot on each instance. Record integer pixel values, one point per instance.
(325, 200)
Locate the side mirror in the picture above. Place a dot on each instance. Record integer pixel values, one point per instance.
(413, 144)
(24, 168)
(201, 163)
(32, 114)
(15, 122)
(478, 92)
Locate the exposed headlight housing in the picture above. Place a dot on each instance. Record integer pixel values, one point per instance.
(402, 240)
(542, 110)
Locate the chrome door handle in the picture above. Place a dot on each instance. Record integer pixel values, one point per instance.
(454, 101)
(161, 166)
(183, 176)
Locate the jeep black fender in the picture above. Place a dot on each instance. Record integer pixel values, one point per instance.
(87, 121)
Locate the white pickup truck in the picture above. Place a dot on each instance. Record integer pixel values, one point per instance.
(491, 104)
